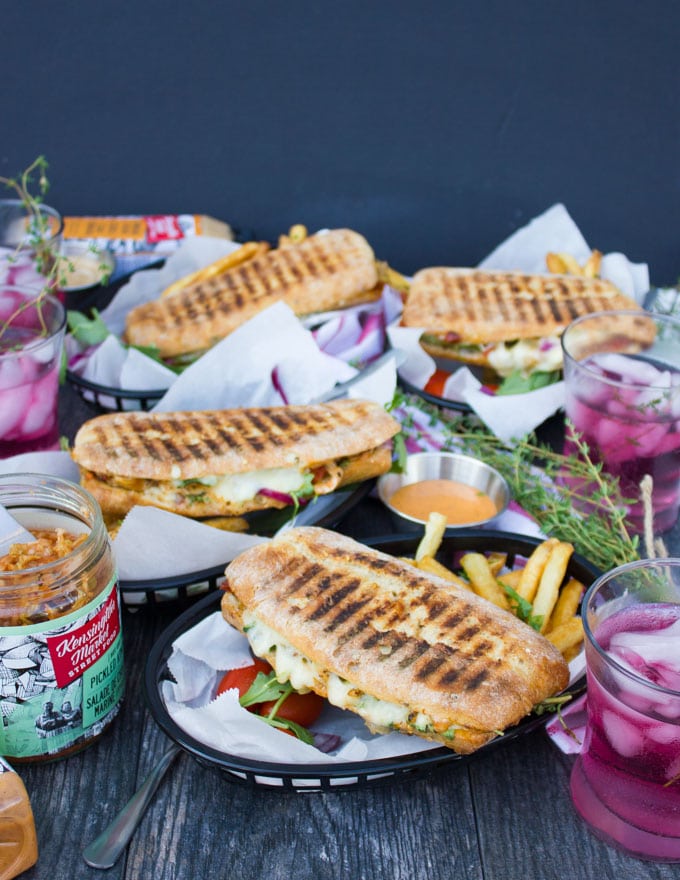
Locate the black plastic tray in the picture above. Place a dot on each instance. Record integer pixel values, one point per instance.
(183, 589)
(338, 777)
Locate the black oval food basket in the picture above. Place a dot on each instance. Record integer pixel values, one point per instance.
(106, 398)
(341, 776)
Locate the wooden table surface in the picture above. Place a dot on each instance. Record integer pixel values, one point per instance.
(505, 814)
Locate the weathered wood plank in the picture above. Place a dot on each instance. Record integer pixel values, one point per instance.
(528, 827)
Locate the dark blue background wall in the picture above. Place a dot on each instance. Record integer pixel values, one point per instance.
(435, 128)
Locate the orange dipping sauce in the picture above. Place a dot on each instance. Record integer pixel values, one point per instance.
(460, 504)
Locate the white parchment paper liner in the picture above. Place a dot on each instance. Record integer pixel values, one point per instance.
(200, 658)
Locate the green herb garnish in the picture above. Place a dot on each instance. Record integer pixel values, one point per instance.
(87, 331)
(518, 383)
(523, 608)
(264, 689)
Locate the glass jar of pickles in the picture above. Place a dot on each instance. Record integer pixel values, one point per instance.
(61, 645)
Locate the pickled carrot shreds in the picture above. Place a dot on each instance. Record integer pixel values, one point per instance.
(49, 546)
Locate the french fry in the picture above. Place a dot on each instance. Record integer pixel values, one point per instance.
(433, 566)
(563, 263)
(567, 603)
(236, 258)
(591, 267)
(227, 523)
(555, 264)
(483, 582)
(551, 578)
(434, 532)
(295, 235)
(570, 653)
(496, 561)
(567, 635)
(510, 578)
(531, 573)
(390, 276)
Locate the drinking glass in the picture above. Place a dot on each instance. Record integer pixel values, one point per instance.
(626, 780)
(32, 327)
(26, 252)
(622, 386)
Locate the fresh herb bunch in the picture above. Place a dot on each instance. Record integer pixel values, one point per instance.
(570, 496)
(39, 236)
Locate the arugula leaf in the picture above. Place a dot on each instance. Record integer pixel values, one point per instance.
(552, 704)
(263, 689)
(305, 491)
(88, 331)
(299, 731)
(399, 453)
(523, 609)
(266, 688)
(518, 383)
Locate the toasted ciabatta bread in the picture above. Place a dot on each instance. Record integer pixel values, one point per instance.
(219, 462)
(482, 307)
(329, 270)
(405, 650)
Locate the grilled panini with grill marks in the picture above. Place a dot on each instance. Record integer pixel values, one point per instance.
(328, 270)
(470, 314)
(214, 463)
(404, 650)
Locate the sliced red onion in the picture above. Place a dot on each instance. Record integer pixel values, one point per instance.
(327, 742)
(284, 497)
(277, 384)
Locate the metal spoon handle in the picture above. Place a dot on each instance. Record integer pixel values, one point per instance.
(104, 850)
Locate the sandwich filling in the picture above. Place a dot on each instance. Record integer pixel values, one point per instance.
(543, 354)
(234, 494)
(381, 716)
(403, 650)
(231, 462)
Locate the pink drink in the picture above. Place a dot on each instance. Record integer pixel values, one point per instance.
(30, 354)
(631, 431)
(626, 781)
(623, 398)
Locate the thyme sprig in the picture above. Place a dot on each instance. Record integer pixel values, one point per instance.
(39, 238)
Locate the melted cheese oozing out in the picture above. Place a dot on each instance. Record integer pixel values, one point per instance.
(291, 665)
(527, 355)
(288, 663)
(243, 487)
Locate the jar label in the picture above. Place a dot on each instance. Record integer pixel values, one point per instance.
(74, 651)
(61, 681)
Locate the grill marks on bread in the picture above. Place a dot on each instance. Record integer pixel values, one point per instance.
(396, 633)
(350, 607)
(484, 307)
(325, 271)
(172, 445)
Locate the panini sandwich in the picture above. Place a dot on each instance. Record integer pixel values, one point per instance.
(231, 462)
(508, 321)
(329, 270)
(405, 650)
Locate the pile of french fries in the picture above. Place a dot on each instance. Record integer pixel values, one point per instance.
(565, 264)
(539, 591)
